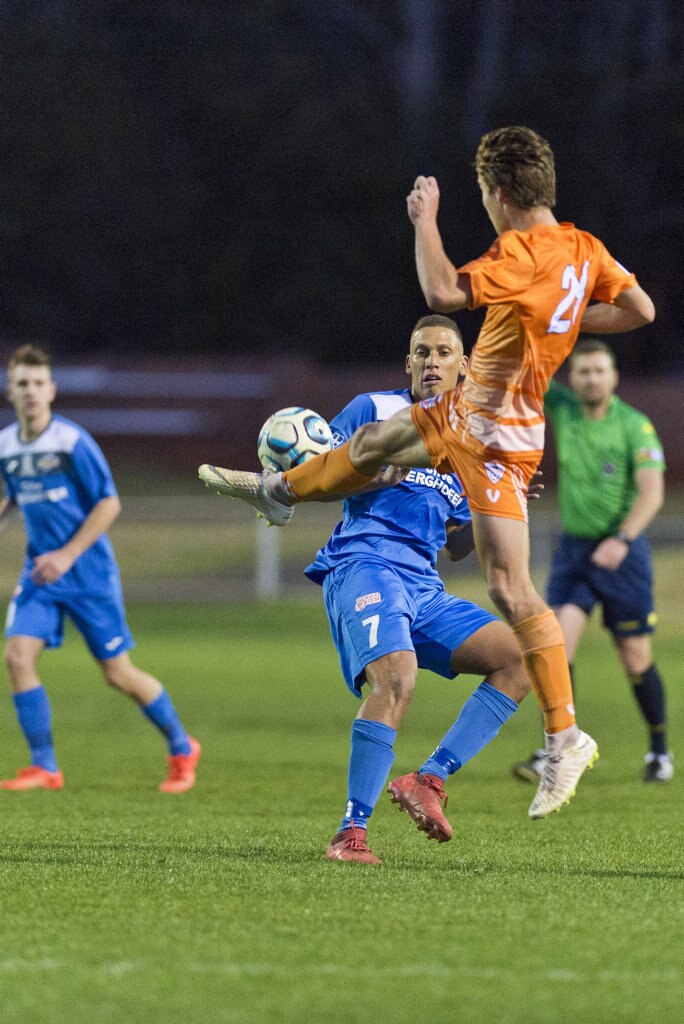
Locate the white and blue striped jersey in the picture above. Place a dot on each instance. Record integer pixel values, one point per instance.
(405, 524)
(55, 480)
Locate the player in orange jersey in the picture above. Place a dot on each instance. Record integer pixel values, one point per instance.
(536, 281)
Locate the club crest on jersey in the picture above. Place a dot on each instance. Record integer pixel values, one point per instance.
(494, 471)
(363, 602)
(47, 462)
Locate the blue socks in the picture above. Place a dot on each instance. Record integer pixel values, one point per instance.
(35, 719)
(480, 719)
(369, 765)
(163, 714)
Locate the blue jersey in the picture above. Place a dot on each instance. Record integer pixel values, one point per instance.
(404, 524)
(56, 480)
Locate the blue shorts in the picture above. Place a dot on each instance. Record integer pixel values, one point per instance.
(625, 594)
(377, 608)
(99, 617)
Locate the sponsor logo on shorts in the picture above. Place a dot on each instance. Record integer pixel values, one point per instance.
(363, 602)
(112, 644)
(338, 439)
(494, 471)
(493, 495)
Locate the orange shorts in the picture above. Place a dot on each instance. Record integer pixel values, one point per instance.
(495, 483)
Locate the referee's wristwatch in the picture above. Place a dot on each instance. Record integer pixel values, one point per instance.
(624, 537)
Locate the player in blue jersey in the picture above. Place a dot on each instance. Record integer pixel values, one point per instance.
(58, 478)
(390, 614)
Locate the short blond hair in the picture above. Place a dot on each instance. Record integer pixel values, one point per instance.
(29, 355)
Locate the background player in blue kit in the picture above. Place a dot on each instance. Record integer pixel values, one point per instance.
(57, 476)
(390, 614)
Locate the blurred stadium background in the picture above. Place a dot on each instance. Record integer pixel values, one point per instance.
(202, 216)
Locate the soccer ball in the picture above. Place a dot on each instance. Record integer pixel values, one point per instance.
(291, 436)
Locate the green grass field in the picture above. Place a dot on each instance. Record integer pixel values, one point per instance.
(122, 905)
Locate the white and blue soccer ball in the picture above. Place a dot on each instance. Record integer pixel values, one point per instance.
(291, 436)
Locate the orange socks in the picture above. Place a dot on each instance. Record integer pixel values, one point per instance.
(541, 642)
(331, 473)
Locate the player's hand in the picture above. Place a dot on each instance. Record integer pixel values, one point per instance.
(610, 554)
(51, 566)
(536, 489)
(423, 200)
(391, 475)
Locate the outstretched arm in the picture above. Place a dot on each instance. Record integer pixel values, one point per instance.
(49, 566)
(633, 308)
(445, 290)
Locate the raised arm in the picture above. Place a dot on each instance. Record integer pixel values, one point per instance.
(633, 308)
(445, 290)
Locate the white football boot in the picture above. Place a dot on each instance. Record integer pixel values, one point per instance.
(236, 483)
(561, 772)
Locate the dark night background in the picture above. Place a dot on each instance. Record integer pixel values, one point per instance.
(228, 179)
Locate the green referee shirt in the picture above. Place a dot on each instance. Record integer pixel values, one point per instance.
(597, 460)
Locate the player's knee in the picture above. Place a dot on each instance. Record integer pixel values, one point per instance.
(116, 675)
(395, 688)
(18, 659)
(515, 598)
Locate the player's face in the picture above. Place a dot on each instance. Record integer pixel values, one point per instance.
(493, 204)
(31, 390)
(434, 361)
(593, 377)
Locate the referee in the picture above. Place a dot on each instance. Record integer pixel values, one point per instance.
(610, 476)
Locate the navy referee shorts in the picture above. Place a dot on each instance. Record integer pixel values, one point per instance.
(625, 595)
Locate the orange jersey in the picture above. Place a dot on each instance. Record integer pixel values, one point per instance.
(536, 285)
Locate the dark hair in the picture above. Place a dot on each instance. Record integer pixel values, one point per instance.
(587, 346)
(520, 162)
(437, 320)
(29, 355)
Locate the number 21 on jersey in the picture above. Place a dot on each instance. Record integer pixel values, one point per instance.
(574, 288)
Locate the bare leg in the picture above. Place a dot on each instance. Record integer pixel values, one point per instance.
(122, 674)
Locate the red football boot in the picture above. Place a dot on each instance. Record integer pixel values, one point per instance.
(181, 773)
(34, 777)
(421, 796)
(350, 844)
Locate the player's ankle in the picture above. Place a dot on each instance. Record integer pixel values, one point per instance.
(558, 741)
(277, 487)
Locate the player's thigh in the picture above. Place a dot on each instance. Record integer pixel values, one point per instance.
(490, 648)
(503, 547)
(35, 612)
(569, 587)
(395, 439)
(635, 653)
(572, 622)
(101, 621)
(370, 614)
(444, 624)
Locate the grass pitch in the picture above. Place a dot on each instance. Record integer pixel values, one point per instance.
(123, 905)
